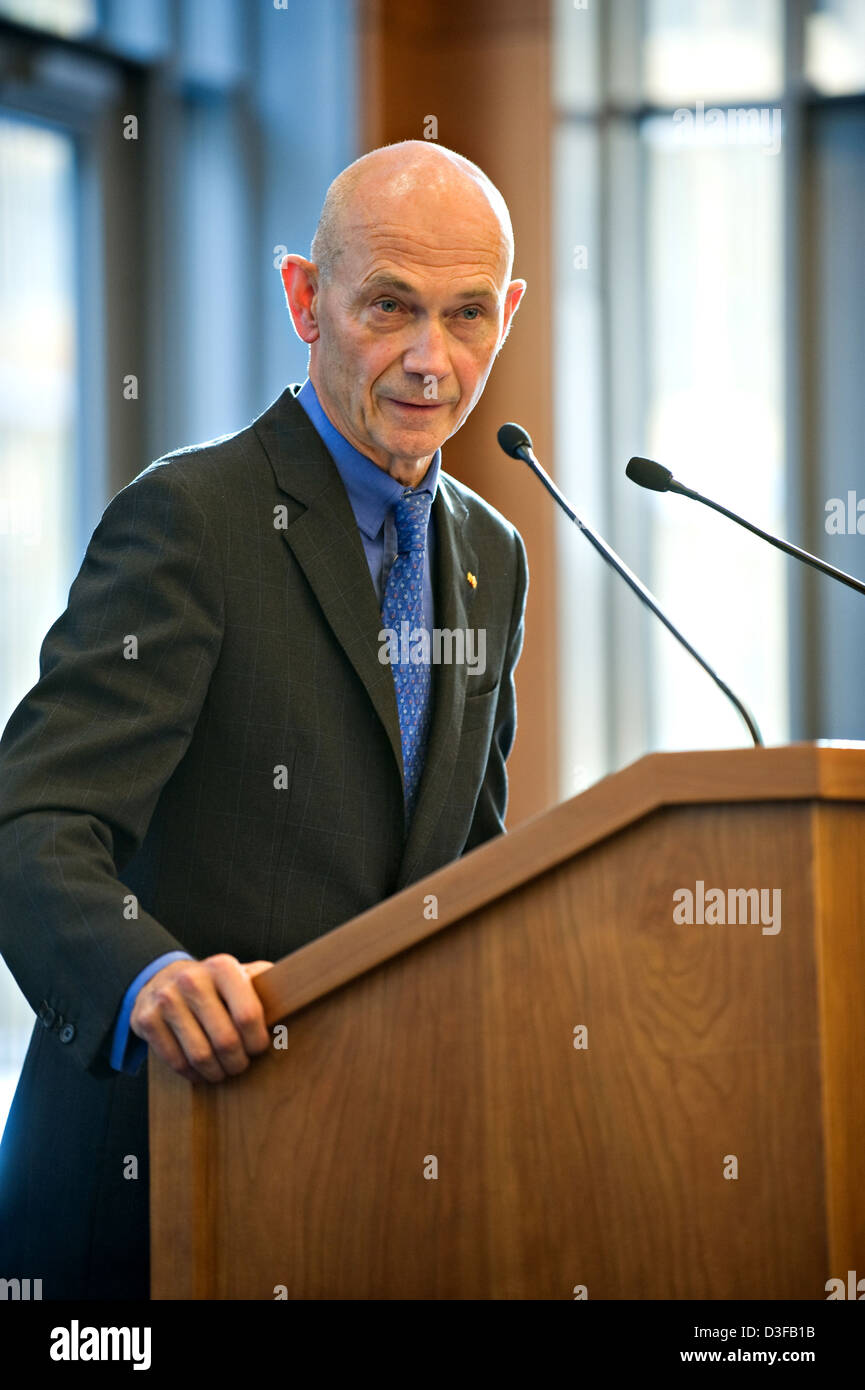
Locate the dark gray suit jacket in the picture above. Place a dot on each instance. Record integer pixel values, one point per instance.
(141, 807)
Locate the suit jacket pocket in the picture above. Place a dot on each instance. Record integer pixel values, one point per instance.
(479, 710)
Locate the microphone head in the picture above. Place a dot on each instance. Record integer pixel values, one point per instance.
(512, 438)
(649, 474)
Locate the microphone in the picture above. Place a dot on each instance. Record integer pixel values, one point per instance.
(647, 473)
(517, 443)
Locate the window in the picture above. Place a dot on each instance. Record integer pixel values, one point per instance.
(714, 415)
(670, 269)
(38, 425)
(68, 18)
(835, 47)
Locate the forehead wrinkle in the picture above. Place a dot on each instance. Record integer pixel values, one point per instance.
(384, 254)
(377, 230)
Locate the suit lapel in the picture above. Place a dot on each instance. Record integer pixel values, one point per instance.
(322, 534)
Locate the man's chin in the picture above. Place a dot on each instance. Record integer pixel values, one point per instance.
(414, 439)
(413, 444)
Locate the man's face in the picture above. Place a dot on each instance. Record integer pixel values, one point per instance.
(408, 330)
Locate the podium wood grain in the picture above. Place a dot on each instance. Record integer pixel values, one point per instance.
(410, 1037)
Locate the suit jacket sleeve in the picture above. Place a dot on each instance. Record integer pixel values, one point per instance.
(85, 755)
(489, 816)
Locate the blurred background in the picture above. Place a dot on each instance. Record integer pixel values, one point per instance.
(687, 185)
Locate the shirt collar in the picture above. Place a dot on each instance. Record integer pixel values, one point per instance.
(371, 491)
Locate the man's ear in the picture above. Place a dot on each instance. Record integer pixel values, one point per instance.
(513, 298)
(300, 281)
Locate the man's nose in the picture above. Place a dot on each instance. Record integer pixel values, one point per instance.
(427, 353)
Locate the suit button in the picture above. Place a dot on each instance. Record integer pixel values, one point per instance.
(47, 1016)
(67, 1032)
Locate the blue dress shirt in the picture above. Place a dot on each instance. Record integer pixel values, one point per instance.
(373, 495)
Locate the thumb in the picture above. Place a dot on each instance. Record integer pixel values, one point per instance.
(255, 967)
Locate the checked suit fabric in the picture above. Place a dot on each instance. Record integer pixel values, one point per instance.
(257, 646)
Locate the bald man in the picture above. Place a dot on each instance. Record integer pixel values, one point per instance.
(282, 690)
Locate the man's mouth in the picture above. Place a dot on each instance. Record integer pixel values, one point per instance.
(417, 405)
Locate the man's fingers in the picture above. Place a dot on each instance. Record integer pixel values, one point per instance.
(203, 1018)
(255, 967)
(161, 1040)
(197, 1017)
(203, 1022)
(234, 983)
(166, 1023)
(185, 999)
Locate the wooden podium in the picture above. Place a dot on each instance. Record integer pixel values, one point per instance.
(432, 1125)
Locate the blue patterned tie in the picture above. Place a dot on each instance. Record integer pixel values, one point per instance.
(403, 603)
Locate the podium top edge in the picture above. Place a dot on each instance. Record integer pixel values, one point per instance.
(826, 771)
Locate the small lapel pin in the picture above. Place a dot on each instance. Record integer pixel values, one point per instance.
(472, 580)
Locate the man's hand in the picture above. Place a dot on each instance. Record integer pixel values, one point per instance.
(202, 1017)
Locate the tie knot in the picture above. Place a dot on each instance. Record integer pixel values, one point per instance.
(412, 517)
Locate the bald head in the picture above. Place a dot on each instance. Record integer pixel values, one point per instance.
(406, 301)
(389, 182)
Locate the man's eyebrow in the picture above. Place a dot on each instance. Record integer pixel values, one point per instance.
(384, 281)
(481, 292)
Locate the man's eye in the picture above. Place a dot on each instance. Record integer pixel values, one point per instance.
(471, 309)
(383, 304)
